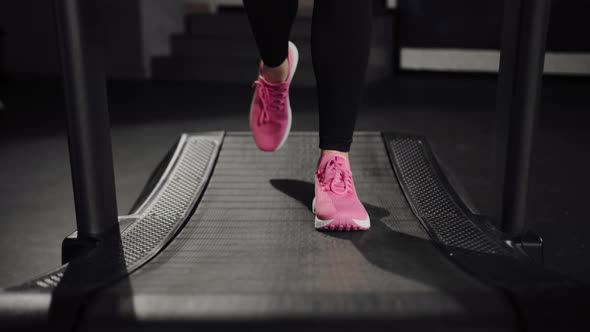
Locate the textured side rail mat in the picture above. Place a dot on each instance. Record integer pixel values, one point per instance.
(544, 298)
(158, 219)
(434, 201)
(467, 238)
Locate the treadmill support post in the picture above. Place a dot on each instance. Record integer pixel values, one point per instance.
(87, 119)
(519, 89)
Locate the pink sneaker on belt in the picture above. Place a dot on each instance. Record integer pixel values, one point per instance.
(270, 112)
(336, 205)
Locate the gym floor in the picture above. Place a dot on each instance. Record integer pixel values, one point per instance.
(456, 112)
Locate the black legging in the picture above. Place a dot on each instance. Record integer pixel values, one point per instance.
(340, 41)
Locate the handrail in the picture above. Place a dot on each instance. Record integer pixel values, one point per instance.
(519, 89)
(89, 137)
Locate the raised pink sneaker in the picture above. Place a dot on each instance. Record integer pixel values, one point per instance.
(270, 111)
(336, 205)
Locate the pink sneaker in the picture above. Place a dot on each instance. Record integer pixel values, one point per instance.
(270, 112)
(336, 205)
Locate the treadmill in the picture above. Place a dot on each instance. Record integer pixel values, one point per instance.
(222, 236)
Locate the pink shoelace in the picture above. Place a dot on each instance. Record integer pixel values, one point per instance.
(335, 177)
(272, 97)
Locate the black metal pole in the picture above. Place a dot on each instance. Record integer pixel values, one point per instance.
(519, 88)
(87, 117)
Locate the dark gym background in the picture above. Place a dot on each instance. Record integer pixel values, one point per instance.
(168, 74)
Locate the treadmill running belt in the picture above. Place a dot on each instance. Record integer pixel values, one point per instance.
(250, 255)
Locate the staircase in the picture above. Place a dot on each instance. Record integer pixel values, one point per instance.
(220, 48)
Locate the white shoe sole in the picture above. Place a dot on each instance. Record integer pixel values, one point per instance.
(325, 224)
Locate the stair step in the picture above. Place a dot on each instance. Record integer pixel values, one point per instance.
(228, 48)
(197, 69)
(221, 48)
(235, 41)
(235, 24)
(244, 50)
(193, 68)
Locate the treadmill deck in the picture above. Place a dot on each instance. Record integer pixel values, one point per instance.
(250, 253)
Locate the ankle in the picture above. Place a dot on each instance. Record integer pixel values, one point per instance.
(325, 152)
(341, 153)
(277, 74)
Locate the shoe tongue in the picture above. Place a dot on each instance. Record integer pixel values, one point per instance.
(338, 186)
(336, 157)
(333, 176)
(270, 84)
